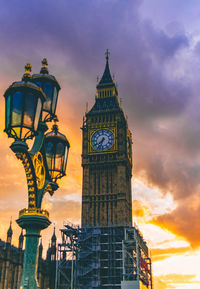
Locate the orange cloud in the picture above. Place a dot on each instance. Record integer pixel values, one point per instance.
(161, 254)
(172, 280)
(183, 221)
(139, 209)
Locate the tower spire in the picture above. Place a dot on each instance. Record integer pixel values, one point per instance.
(106, 78)
(21, 239)
(9, 233)
(106, 87)
(53, 238)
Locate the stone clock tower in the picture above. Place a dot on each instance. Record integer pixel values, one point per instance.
(112, 253)
(106, 159)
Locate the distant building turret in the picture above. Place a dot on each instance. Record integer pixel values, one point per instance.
(9, 233)
(40, 249)
(21, 240)
(53, 239)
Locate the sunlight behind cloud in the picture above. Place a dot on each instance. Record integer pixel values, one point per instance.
(178, 264)
(157, 202)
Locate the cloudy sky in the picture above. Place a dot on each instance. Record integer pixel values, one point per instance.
(155, 57)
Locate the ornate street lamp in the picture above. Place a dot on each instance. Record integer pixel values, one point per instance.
(24, 102)
(51, 87)
(57, 149)
(31, 103)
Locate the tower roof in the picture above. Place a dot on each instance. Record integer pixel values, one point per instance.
(106, 79)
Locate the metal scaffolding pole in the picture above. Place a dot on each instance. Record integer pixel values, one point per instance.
(66, 257)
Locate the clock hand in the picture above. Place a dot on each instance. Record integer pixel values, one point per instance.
(101, 142)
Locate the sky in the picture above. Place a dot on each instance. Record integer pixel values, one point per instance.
(155, 58)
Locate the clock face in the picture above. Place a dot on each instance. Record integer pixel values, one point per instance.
(102, 140)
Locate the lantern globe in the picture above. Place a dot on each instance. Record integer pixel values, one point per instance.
(50, 87)
(23, 106)
(57, 149)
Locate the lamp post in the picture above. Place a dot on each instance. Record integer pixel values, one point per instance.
(29, 105)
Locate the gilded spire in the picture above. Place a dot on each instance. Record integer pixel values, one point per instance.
(44, 69)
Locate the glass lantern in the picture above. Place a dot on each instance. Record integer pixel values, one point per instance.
(24, 102)
(50, 87)
(57, 149)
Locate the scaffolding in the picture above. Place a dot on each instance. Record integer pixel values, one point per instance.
(110, 255)
(88, 258)
(136, 259)
(103, 257)
(66, 257)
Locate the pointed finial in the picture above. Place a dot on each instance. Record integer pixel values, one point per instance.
(53, 238)
(21, 239)
(10, 231)
(28, 69)
(44, 62)
(44, 69)
(107, 54)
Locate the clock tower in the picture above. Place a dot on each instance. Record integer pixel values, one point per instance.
(106, 159)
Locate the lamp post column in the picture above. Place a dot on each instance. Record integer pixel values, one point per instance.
(33, 224)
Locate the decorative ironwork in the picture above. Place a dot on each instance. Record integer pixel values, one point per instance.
(30, 179)
(39, 169)
(34, 211)
(29, 104)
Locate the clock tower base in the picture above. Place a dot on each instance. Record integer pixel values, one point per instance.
(110, 257)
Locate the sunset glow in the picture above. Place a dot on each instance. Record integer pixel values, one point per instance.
(155, 56)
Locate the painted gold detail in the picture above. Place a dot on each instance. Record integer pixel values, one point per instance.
(34, 211)
(30, 179)
(48, 188)
(39, 169)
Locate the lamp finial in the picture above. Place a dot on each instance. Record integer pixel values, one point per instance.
(28, 69)
(44, 69)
